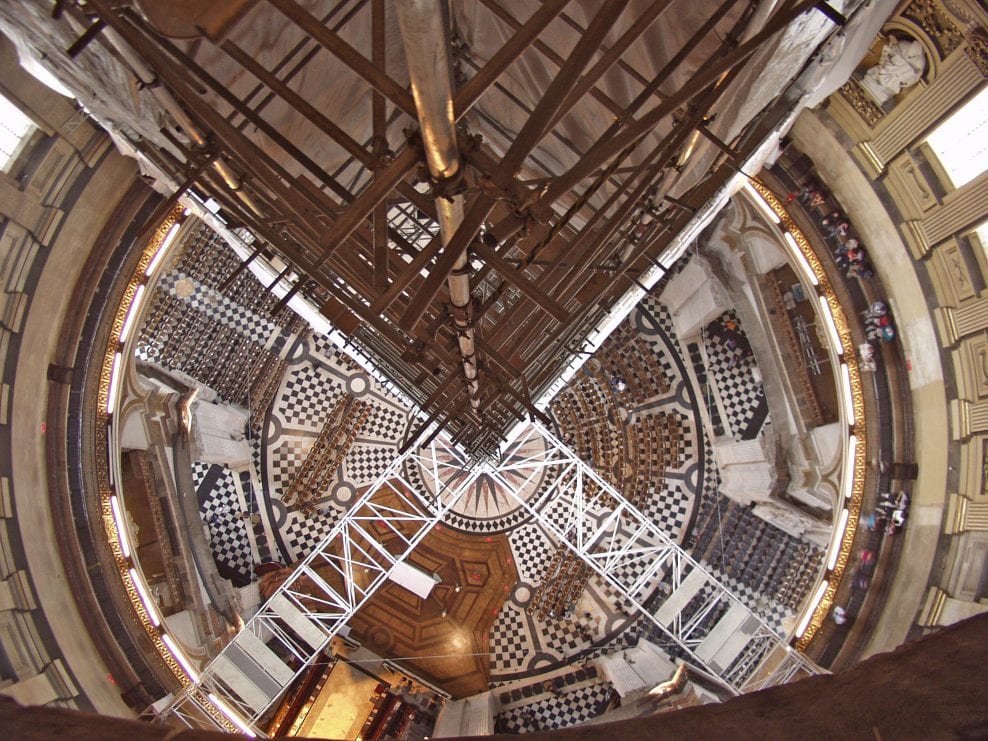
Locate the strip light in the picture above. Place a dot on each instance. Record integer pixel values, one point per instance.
(121, 530)
(845, 377)
(837, 539)
(811, 608)
(849, 462)
(132, 312)
(800, 258)
(760, 202)
(148, 604)
(231, 716)
(828, 322)
(111, 447)
(111, 396)
(165, 245)
(180, 657)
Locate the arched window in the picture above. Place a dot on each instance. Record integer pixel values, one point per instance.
(961, 142)
(15, 127)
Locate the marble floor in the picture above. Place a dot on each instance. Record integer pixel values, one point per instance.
(505, 641)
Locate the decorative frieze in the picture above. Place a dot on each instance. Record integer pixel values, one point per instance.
(871, 113)
(16, 593)
(971, 367)
(967, 515)
(962, 209)
(942, 31)
(978, 415)
(971, 317)
(973, 468)
(951, 275)
(909, 187)
(977, 49)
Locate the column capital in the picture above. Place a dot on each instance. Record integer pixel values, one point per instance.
(916, 240)
(956, 520)
(871, 162)
(960, 418)
(946, 324)
(929, 616)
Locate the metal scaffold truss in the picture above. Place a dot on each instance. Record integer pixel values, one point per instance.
(292, 628)
(713, 628)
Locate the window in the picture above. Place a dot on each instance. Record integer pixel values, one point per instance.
(15, 127)
(961, 142)
(981, 235)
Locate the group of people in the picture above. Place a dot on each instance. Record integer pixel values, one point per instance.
(891, 509)
(878, 322)
(618, 383)
(861, 574)
(848, 252)
(889, 514)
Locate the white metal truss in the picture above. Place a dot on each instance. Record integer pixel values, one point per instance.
(583, 511)
(713, 628)
(289, 632)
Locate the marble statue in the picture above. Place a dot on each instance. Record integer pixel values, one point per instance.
(901, 65)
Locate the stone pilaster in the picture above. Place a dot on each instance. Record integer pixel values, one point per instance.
(914, 118)
(963, 208)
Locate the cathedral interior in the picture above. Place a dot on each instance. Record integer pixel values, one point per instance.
(441, 368)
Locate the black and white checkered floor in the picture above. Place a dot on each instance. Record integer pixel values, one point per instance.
(522, 644)
(566, 707)
(257, 328)
(319, 375)
(226, 514)
(732, 367)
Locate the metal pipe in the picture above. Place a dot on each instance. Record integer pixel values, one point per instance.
(149, 79)
(424, 38)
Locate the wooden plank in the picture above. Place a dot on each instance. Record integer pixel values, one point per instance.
(677, 601)
(267, 659)
(608, 147)
(385, 180)
(516, 278)
(726, 627)
(237, 681)
(380, 143)
(308, 630)
(473, 219)
(554, 100)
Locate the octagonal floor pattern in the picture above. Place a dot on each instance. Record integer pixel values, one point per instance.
(507, 640)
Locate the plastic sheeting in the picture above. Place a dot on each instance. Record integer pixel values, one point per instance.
(340, 94)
